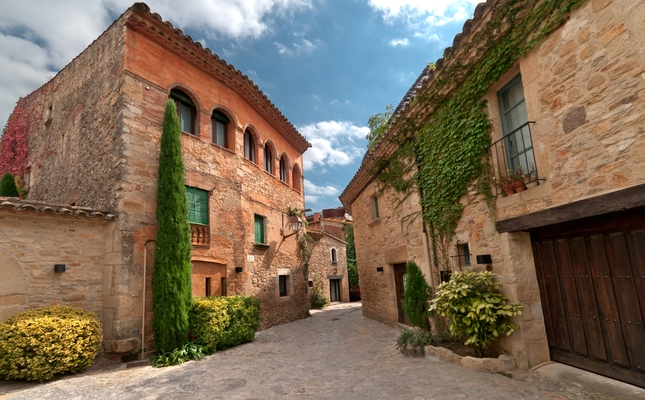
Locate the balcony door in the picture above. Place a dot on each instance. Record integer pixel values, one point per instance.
(519, 148)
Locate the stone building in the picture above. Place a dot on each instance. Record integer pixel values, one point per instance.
(97, 146)
(328, 266)
(570, 248)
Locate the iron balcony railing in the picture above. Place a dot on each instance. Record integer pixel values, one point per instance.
(513, 162)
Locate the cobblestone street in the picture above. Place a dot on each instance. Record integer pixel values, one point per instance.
(337, 353)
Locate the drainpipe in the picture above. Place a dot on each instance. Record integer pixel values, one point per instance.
(143, 297)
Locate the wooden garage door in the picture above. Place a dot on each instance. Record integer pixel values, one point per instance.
(591, 275)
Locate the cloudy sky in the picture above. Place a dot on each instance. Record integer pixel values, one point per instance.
(328, 65)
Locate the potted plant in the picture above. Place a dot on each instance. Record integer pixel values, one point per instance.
(506, 184)
(517, 179)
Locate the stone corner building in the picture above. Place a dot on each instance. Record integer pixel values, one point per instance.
(97, 146)
(571, 247)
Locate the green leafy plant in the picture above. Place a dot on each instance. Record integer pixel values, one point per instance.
(8, 186)
(318, 299)
(416, 298)
(188, 351)
(378, 124)
(217, 323)
(35, 345)
(171, 278)
(413, 341)
(293, 211)
(476, 308)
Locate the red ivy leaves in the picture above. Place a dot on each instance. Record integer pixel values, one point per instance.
(14, 148)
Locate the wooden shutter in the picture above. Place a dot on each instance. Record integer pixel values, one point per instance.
(259, 229)
(197, 206)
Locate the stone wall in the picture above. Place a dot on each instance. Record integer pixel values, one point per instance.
(321, 267)
(30, 245)
(383, 242)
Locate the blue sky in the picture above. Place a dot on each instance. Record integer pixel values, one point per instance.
(328, 65)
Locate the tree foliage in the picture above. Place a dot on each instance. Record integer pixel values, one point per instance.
(8, 186)
(378, 124)
(350, 251)
(417, 297)
(171, 279)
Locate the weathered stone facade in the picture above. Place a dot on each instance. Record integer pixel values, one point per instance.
(98, 146)
(323, 268)
(34, 237)
(583, 87)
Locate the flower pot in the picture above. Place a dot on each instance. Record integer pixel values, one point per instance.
(509, 189)
(445, 275)
(519, 185)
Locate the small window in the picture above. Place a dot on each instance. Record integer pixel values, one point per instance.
(224, 284)
(186, 111)
(268, 159)
(283, 281)
(260, 237)
(249, 146)
(310, 283)
(334, 255)
(283, 170)
(208, 287)
(375, 211)
(219, 126)
(197, 205)
(464, 254)
(296, 178)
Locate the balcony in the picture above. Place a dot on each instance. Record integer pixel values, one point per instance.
(513, 162)
(200, 235)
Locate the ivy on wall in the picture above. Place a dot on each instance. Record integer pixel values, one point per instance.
(439, 147)
(14, 148)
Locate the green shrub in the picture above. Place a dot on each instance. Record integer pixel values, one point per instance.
(352, 275)
(476, 307)
(417, 297)
(187, 352)
(413, 341)
(318, 299)
(8, 186)
(35, 345)
(218, 323)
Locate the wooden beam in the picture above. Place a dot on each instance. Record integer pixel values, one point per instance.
(620, 200)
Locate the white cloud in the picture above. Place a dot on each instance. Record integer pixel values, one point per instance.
(39, 37)
(333, 143)
(422, 16)
(328, 190)
(334, 102)
(305, 46)
(399, 42)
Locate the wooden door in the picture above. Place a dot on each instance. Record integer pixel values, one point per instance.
(400, 275)
(591, 276)
(334, 290)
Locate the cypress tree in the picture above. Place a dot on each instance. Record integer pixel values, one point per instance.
(171, 277)
(8, 186)
(417, 297)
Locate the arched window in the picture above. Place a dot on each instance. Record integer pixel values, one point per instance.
(283, 170)
(296, 177)
(249, 146)
(268, 159)
(186, 111)
(219, 126)
(334, 255)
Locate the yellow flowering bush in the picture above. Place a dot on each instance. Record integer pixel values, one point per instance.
(35, 345)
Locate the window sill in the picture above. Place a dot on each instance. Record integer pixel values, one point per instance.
(261, 246)
(284, 298)
(373, 222)
(222, 148)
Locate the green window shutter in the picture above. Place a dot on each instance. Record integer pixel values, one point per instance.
(221, 117)
(259, 229)
(197, 206)
(181, 96)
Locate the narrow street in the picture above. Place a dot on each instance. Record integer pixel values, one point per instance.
(335, 354)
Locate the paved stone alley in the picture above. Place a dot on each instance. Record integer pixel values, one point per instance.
(337, 353)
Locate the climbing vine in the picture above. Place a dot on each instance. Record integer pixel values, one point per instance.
(14, 147)
(439, 147)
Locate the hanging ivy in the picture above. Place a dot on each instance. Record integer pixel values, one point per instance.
(439, 146)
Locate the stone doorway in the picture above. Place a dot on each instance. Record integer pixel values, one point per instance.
(334, 290)
(400, 276)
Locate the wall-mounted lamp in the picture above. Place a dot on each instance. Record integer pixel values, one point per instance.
(295, 223)
(238, 270)
(484, 259)
(379, 269)
(59, 268)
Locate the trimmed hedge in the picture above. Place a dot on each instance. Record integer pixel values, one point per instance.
(37, 344)
(218, 323)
